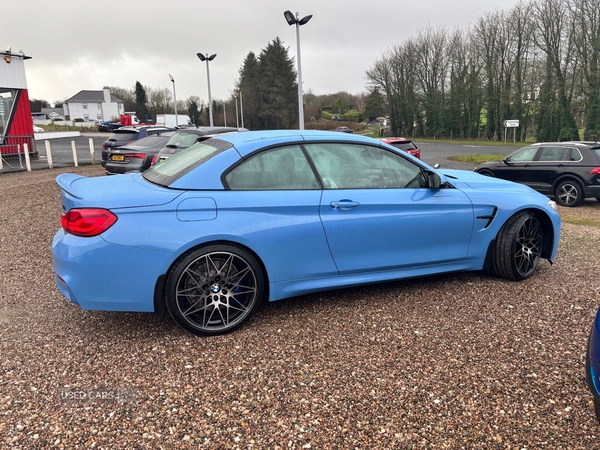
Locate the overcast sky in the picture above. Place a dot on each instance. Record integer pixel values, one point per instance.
(84, 45)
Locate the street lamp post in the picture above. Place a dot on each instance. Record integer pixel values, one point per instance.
(174, 99)
(294, 20)
(237, 119)
(241, 108)
(224, 113)
(207, 59)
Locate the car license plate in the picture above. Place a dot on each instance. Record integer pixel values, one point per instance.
(117, 158)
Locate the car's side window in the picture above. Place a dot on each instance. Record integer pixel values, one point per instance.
(523, 155)
(354, 166)
(278, 169)
(575, 155)
(554, 154)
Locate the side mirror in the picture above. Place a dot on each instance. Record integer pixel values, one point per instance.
(433, 180)
(506, 160)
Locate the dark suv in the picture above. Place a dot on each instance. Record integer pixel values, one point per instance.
(125, 135)
(568, 171)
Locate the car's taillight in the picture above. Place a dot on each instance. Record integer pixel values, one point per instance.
(153, 159)
(595, 171)
(104, 145)
(87, 222)
(136, 155)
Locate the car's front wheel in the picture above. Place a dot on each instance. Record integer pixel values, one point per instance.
(487, 173)
(214, 289)
(516, 252)
(569, 193)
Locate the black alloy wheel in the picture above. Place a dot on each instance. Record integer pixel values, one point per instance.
(517, 249)
(214, 290)
(569, 193)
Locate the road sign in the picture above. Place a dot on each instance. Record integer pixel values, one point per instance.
(511, 123)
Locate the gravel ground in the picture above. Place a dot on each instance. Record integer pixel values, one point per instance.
(456, 361)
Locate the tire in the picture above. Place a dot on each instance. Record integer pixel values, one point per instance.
(588, 379)
(487, 173)
(214, 290)
(516, 252)
(569, 193)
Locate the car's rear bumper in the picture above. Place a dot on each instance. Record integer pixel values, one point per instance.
(592, 191)
(81, 275)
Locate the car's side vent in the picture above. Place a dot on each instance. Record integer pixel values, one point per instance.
(488, 216)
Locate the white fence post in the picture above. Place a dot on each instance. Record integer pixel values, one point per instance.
(92, 150)
(1, 163)
(19, 153)
(27, 160)
(74, 153)
(49, 154)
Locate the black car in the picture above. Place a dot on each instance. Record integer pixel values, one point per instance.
(343, 130)
(187, 137)
(137, 156)
(126, 135)
(567, 171)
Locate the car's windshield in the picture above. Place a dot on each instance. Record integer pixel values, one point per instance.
(171, 169)
(150, 141)
(123, 136)
(182, 140)
(404, 145)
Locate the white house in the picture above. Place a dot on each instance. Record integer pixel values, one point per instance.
(93, 106)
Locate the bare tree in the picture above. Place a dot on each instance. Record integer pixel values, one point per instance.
(586, 23)
(432, 64)
(464, 94)
(555, 38)
(159, 100)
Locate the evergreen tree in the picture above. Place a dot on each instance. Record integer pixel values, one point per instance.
(375, 105)
(141, 100)
(250, 86)
(278, 87)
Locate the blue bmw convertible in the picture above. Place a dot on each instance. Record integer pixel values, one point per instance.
(211, 232)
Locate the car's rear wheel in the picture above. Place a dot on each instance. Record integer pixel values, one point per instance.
(516, 252)
(487, 173)
(214, 289)
(569, 193)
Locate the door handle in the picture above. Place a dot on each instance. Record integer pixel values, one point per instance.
(344, 204)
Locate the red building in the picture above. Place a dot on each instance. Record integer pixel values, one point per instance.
(16, 125)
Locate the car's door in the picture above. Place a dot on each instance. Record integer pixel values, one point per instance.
(378, 213)
(549, 163)
(277, 198)
(516, 167)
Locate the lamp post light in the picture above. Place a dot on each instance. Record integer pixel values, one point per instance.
(295, 20)
(207, 59)
(175, 100)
